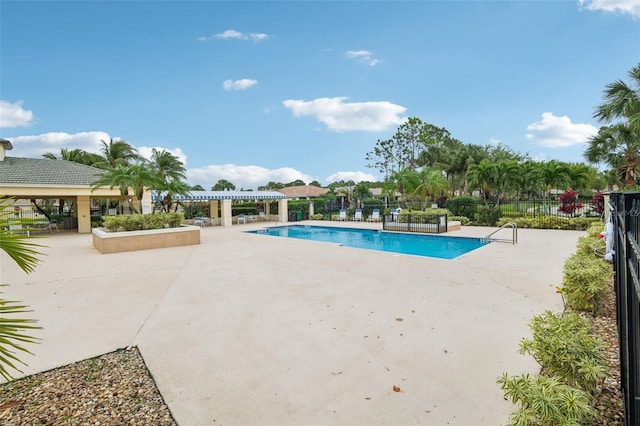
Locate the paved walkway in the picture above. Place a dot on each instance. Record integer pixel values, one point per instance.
(250, 329)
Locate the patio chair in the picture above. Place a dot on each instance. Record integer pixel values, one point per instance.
(375, 216)
(198, 221)
(241, 218)
(262, 216)
(357, 217)
(342, 215)
(251, 217)
(53, 224)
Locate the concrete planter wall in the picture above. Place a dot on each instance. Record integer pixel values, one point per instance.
(117, 242)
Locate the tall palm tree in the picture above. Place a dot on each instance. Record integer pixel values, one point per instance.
(76, 155)
(618, 145)
(171, 176)
(223, 185)
(14, 332)
(116, 152)
(622, 101)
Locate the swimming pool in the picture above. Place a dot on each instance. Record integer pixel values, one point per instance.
(395, 242)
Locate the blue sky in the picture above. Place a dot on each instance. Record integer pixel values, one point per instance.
(264, 91)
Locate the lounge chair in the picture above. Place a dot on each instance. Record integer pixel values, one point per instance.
(18, 229)
(342, 215)
(241, 218)
(357, 217)
(375, 216)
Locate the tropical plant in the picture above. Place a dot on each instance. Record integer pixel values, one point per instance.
(564, 346)
(169, 176)
(115, 153)
(545, 400)
(618, 145)
(431, 183)
(360, 192)
(14, 332)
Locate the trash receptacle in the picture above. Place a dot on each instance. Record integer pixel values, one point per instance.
(298, 216)
(292, 216)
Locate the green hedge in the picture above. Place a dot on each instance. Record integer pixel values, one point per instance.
(137, 222)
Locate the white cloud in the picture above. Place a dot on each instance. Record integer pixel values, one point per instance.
(13, 115)
(362, 56)
(559, 132)
(341, 116)
(241, 84)
(631, 7)
(494, 141)
(36, 145)
(247, 177)
(354, 176)
(237, 35)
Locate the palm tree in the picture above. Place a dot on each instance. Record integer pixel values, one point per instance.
(223, 185)
(618, 145)
(360, 192)
(76, 155)
(171, 176)
(622, 101)
(13, 331)
(482, 176)
(432, 183)
(119, 176)
(116, 152)
(404, 181)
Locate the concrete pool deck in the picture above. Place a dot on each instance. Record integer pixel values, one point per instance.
(251, 329)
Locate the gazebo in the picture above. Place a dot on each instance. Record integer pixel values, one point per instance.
(226, 197)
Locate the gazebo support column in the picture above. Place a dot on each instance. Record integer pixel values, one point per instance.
(226, 219)
(213, 211)
(83, 210)
(283, 211)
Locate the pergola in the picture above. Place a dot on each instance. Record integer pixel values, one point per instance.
(227, 197)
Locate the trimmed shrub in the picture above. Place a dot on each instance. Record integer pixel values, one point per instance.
(585, 281)
(136, 222)
(545, 401)
(462, 206)
(564, 346)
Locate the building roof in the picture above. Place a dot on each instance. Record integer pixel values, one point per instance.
(303, 191)
(44, 171)
(224, 195)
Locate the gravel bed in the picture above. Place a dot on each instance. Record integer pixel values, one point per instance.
(112, 389)
(609, 405)
(117, 388)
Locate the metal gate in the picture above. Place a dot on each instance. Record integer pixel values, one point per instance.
(625, 212)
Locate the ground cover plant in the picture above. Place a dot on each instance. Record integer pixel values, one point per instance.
(136, 222)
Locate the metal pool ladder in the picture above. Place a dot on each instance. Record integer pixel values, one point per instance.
(514, 234)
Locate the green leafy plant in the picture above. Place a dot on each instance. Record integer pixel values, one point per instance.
(565, 347)
(545, 401)
(463, 206)
(14, 332)
(585, 281)
(135, 222)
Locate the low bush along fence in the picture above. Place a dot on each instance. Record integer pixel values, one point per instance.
(572, 360)
(137, 222)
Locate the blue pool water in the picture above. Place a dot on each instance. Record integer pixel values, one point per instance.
(416, 244)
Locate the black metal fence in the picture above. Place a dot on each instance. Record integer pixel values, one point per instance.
(404, 222)
(626, 218)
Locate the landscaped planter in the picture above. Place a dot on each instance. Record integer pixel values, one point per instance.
(117, 242)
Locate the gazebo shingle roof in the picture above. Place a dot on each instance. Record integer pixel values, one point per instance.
(43, 171)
